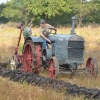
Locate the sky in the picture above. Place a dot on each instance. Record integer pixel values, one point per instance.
(3, 1)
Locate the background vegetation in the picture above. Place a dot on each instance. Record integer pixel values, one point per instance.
(56, 12)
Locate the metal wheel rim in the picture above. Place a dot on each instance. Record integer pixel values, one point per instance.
(38, 58)
(53, 67)
(27, 58)
(35, 57)
(92, 67)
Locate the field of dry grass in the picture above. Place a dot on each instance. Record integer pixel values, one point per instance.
(16, 91)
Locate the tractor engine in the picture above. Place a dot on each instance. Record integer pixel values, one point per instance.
(68, 49)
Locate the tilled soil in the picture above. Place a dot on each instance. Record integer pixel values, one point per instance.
(59, 85)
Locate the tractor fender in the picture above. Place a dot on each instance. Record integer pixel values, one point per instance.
(35, 39)
(47, 54)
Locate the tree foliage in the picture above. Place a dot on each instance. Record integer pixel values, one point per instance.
(33, 10)
(95, 14)
(49, 8)
(82, 9)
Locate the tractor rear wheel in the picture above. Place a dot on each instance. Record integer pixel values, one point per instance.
(53, 67)
(92, 67)
(32, 54)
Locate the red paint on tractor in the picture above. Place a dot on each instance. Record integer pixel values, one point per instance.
(51, 69)
(32, 58)
(90, 66)
(27, 58)
(38, 57)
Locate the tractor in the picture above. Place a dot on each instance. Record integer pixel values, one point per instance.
(65, 54)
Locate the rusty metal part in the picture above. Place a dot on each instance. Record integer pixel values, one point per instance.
(92, 67)
(32, 57)
(53, 67)
(27, 58)
(16, 49)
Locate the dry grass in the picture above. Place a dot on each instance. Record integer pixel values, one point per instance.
(16, 91)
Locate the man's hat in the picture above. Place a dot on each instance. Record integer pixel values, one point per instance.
(42, 21)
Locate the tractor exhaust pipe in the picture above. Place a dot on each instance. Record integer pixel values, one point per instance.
(73, 25)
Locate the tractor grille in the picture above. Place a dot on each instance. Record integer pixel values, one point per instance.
(75, 49)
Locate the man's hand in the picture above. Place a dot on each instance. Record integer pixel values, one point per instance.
(49, 41)
(42, 35)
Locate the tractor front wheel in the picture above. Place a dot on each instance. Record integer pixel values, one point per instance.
(92, 67)
(53, 67)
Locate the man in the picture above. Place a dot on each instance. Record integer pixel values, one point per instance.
(43, 26)
(26, 30)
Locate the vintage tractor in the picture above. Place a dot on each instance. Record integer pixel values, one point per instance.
(63, 55)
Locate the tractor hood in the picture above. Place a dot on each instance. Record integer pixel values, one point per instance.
(66, 37)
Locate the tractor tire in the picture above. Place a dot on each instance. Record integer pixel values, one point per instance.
(92, 67)
(32, 54)
(53, 67)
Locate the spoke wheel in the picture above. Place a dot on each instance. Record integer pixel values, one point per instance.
(13, 63)
(53, 67)
(92, 67)
(32, 57)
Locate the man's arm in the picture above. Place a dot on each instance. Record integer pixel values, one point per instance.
(45, 38)
(42, 35)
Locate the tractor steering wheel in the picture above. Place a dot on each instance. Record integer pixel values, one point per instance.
(49, 31)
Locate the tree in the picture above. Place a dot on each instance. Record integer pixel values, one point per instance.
(11, 12)
(82, 9)
(48, 8)
(95, 14)
(15, 10)
(59, 10)
(2, 18)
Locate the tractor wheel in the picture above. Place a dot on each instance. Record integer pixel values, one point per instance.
(32, 54)
(92, 67)
(53, 67)
(13, 63)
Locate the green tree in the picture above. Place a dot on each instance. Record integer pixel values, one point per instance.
(56, 10)
(95, 14)
(48, 8)
(15, 10)
(82, 9)
(2, 18)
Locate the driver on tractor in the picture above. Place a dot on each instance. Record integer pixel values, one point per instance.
(44, 34)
